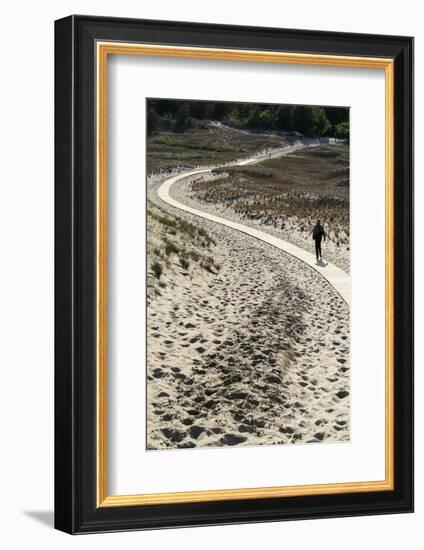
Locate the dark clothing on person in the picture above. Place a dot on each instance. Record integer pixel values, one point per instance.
(318, 248)
(318, 234)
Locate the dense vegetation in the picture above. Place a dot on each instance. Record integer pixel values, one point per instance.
(179, 116)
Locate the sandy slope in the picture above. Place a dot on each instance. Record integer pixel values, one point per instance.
(256, 354)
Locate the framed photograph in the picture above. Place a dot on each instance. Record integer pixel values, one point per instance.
(234, 274)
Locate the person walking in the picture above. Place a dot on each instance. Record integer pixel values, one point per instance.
(318, 234)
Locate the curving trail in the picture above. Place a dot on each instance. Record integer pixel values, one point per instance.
(335, 276)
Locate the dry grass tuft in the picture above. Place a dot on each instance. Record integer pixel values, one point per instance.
(175, 246)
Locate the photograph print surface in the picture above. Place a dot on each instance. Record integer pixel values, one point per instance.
(247, 274)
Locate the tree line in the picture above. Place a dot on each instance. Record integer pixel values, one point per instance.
(179, 116)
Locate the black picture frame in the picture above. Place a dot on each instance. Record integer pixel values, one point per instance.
(76, 510)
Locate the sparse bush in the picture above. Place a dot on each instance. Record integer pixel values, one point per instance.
(209, 265)
(171, 248)
(157, 269)
(184, 263)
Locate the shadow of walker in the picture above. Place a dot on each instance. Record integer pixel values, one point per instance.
(321, 263)
(46, 517)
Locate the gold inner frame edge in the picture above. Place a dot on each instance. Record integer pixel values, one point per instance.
(103, 49)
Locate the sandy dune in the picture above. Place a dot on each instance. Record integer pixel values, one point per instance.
(255, 354)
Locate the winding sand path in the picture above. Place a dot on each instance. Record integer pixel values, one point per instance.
(335, 276)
